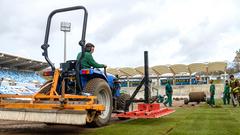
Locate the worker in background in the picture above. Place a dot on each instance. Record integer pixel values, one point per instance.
(87, 60)
(212, 93)
(234, 87)
(169, 92)
(226, 93)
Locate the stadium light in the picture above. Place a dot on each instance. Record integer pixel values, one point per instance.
(65, 27)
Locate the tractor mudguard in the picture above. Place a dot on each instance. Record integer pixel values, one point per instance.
(89, 74)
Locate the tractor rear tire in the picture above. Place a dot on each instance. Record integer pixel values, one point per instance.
(121, 103)
(100, 88)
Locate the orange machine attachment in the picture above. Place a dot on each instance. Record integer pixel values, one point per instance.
(50, 107)
(50, 99)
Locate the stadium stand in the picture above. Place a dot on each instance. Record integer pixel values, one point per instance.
(180, 74)
(173, 69)
(20, 75)
(20, 63)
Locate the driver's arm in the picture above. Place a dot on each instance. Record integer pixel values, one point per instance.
(93, 63)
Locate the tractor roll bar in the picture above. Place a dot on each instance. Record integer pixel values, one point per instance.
(81, 42)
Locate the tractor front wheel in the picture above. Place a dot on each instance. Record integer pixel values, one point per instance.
(99, 88)
(121, 103)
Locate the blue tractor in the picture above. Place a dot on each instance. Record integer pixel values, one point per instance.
(86, 82)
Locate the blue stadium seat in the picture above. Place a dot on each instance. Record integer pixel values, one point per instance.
(20, 77)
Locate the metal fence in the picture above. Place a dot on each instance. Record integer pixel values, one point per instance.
(178, 90)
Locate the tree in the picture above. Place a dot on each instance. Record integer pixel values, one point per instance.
(237, 61)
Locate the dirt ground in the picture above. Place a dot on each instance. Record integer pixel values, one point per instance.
(8, 127)
(33, 128)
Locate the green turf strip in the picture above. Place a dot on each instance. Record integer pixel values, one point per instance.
(202, 120)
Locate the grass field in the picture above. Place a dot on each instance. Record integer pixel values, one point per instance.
(200, 120)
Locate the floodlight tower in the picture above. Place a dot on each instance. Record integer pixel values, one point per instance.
(65, 27)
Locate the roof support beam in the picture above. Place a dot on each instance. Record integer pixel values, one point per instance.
(21, 63)
(9, 60)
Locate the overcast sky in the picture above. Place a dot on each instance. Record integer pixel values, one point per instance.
(173, 31)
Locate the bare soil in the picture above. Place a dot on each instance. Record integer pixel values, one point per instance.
(32, 128)
(9, 127)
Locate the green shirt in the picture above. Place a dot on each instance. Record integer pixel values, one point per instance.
(168, 89)
(212, 89)
(88, 61)
(226, 89)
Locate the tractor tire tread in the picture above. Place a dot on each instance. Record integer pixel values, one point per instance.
(91, 88)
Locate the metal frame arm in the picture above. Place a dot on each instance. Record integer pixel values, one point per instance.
(82, 41)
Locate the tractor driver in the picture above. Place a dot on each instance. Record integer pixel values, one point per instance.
(87, 60)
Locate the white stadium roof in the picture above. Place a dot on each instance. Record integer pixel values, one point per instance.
(20, 63)
(174, 69)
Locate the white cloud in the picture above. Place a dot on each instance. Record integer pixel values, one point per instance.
(172, 31)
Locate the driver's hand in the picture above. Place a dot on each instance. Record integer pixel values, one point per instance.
(105, 66)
